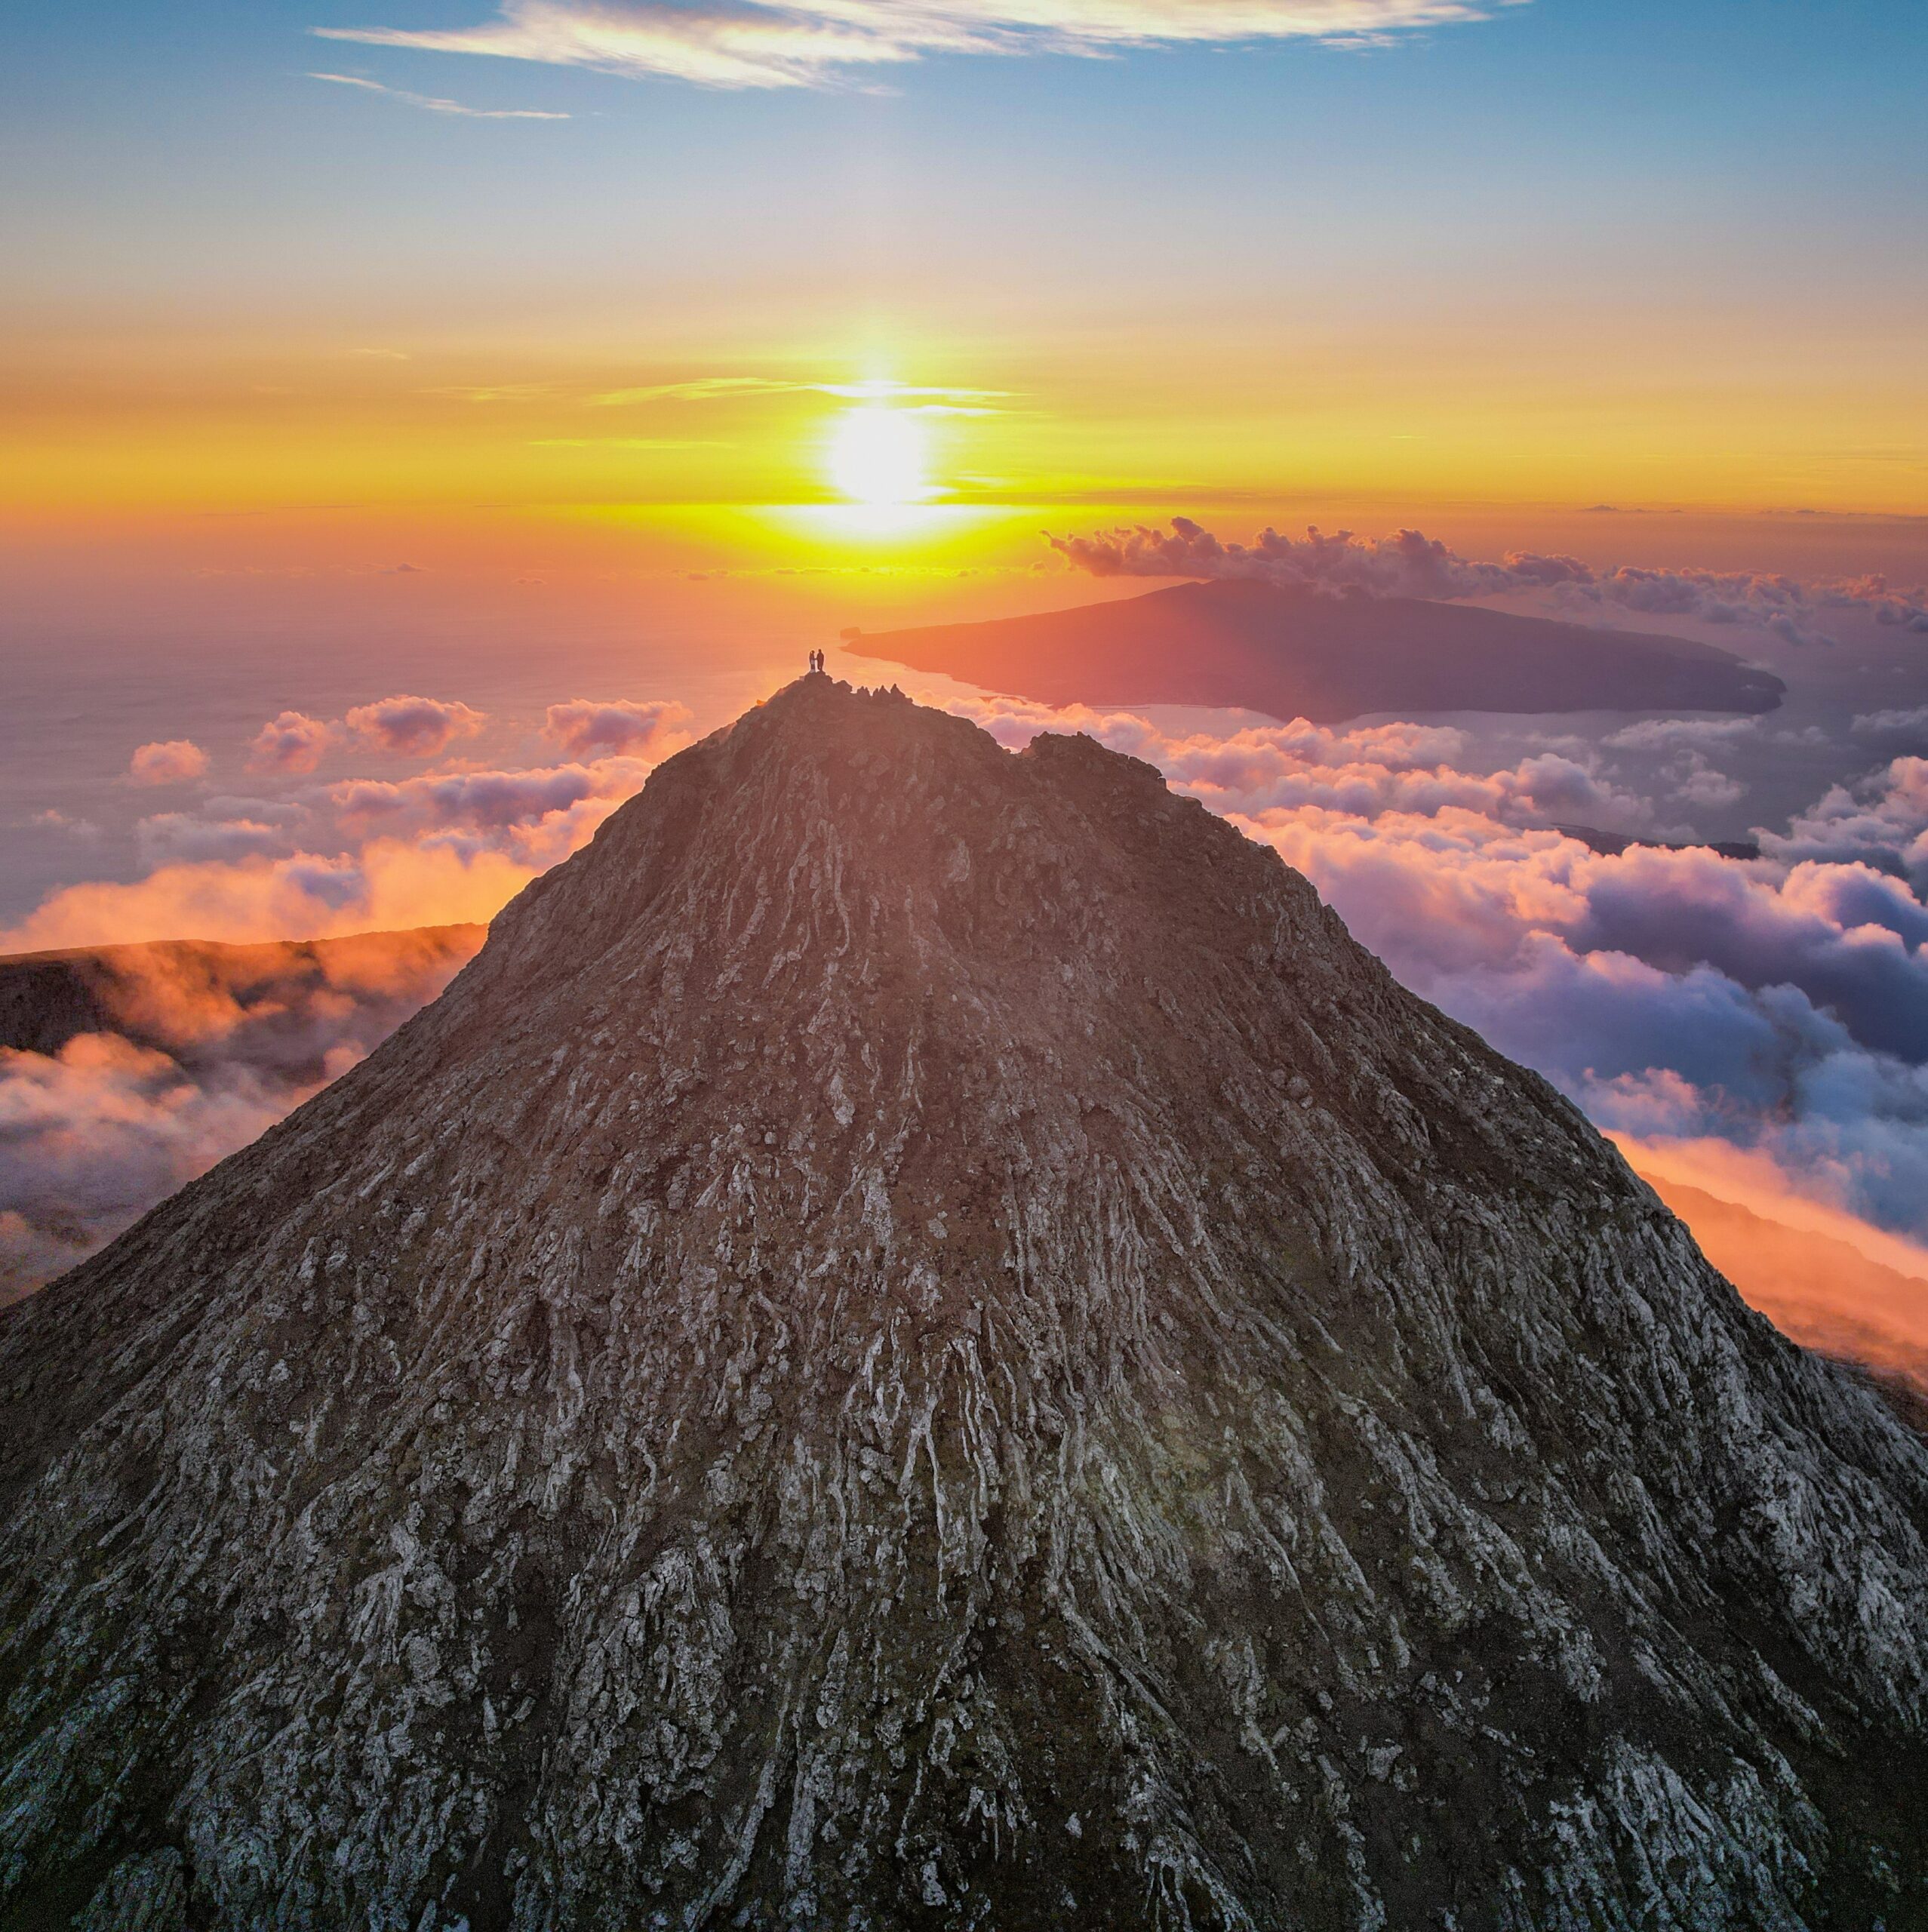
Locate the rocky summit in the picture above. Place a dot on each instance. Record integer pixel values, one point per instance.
(923, 1341)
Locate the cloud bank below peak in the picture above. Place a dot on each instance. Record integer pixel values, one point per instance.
(1410, 563)
(818, 43)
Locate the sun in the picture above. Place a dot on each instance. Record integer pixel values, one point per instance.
(877, 457)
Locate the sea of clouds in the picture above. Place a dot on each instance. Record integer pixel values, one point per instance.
(1757, 1027)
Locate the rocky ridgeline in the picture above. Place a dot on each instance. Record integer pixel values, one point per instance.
(923, 1341)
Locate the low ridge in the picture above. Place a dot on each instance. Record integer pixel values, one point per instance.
(922, 1340)
(1294, 651)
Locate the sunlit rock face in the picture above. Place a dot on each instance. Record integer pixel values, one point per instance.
(922, 1340)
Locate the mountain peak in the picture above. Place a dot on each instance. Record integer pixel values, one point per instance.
(922, 1339)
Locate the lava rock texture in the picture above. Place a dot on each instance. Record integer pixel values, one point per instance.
(923, 1341)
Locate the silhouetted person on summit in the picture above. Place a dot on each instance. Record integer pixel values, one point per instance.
(815, 663)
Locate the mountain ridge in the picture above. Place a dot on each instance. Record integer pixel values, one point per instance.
(921, 1339)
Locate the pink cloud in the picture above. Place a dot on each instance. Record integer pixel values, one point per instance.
(292, 743)
(484, 800)
(387, 884)
(1410, 564)
(1822, 1276)
(406, 727)
(586, 727)
(213, 1045)
(167, 761)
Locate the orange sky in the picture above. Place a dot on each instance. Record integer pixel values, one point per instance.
(1438, 411)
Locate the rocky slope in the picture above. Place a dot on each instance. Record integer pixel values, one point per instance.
(923, 1341)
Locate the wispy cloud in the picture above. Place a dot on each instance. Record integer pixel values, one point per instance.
(814, 43)
(624, 443)
(722, 389)
(436, 105)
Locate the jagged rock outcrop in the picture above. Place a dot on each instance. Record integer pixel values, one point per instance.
(923, 1341)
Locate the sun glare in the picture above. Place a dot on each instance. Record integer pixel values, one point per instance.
(877, 457)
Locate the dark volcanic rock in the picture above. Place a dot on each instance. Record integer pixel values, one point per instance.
(1297, 652)
(922, 1340)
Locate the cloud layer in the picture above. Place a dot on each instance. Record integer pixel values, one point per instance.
(404, 726)
(1759, 1026)
(358, 854)
(409, 726)
(193, 1051)
(171, 761)
(814, 43)
(290, 742)
(1410, 564)
(587, 728)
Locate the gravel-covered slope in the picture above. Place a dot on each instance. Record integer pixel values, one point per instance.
(923, 1341)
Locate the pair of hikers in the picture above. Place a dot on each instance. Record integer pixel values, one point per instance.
(817, 661)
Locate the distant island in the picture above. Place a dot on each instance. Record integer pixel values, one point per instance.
(1295, 652)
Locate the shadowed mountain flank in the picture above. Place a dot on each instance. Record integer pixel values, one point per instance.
(1293, 653)
(922, 1340)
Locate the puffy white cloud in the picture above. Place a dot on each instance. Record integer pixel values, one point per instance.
(408, 727)
(539, 815)
(294, 744)
(1410, 563)
(1881, 821)
(290, 743)
(588, 727)
(93, 1136)
(812, 43)
(167, 761)
(52, 819)
(1675, 734)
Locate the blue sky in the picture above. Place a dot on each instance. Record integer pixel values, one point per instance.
(1761, 153)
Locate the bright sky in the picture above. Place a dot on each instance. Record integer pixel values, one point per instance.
(1573, 250)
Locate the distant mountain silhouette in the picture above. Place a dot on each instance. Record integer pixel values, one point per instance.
(1297, 653)
(923, 1341)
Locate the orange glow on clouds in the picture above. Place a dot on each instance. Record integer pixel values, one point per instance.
(1826, 1278)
